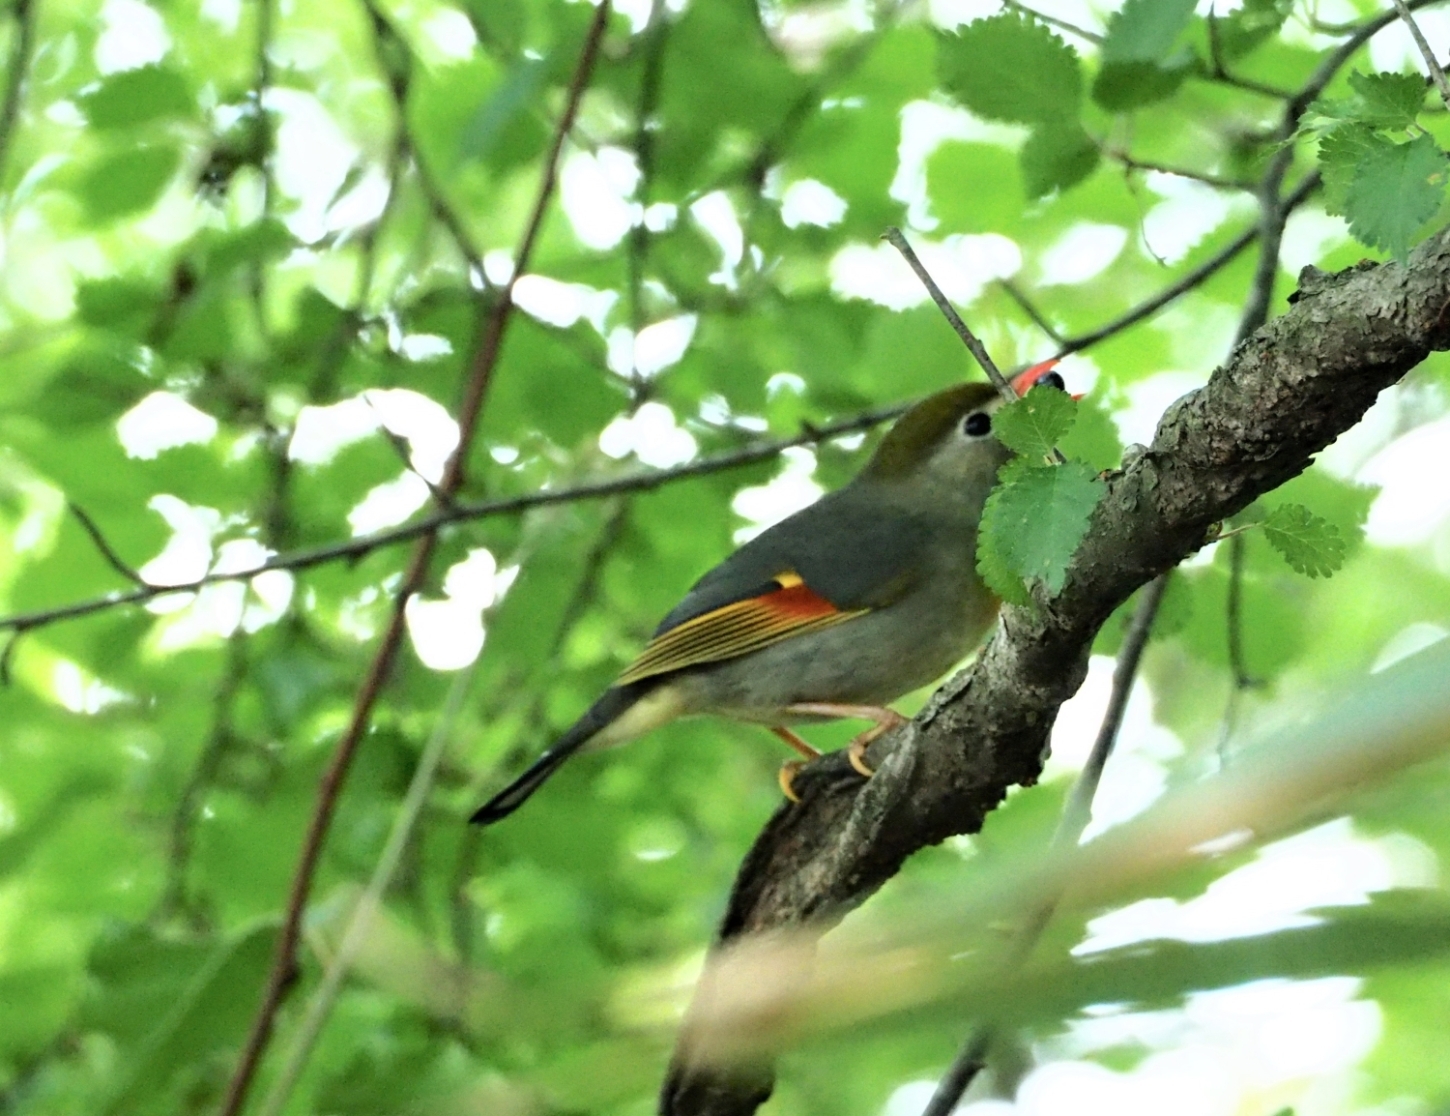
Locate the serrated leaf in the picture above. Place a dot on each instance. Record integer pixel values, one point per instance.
(1340, 153)
(1388, 100)
(1395, 190)
(1057, 156)
(998, 575)
(1310, 545)
(1146, 30)
(1034, 424)
(1035, 519)
(1010, 67)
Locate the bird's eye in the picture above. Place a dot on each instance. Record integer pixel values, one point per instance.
(977, 424)
(1052, 380)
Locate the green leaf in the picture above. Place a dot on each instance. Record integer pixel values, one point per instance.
(1034, 424)
(1000, 577)
(127, 182)
(1388, 100)
(1056, 156)
(1121, 86)
(1010, 67)
(1340, 153)
(1395, 190)
(1036, 517)
(139, 96)
(1146, 30)
(1242, 31)
(1309, 544)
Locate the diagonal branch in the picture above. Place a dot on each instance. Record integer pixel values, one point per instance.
(351, 550)
(1285, 393)
(1437, 72)
(485, 359)
(108, 552)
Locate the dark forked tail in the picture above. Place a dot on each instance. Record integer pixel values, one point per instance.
(615, 702)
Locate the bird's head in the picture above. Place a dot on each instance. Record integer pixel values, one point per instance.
(947, 437)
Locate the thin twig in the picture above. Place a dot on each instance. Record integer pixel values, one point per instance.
(175, 899)
(1052, 21)
(1076, 813)
(360, 922)
(8, 656)
(1437, 73)
(108, 552)
(1218, 182)
(1016, 294)
(284, 961)
(261, 148)
(18, 66)
(1195, 278)
(353, 549)
(894, 237)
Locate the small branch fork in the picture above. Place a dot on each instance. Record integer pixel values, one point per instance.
(484, 361)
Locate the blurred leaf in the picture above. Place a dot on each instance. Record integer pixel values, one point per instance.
(1245, 29)
(1010, 67)
(127, 181)
(1056, 157)
(134, 97)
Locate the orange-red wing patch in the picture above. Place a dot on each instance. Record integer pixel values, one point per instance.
(738, 628)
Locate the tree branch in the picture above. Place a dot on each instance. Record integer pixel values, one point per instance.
(1076, 813)
(18, 67)
(485, 359)
(108, 552)
(974, 345)
(1285, 393)
(1437, 73)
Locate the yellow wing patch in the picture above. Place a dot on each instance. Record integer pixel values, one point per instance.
(738, 628)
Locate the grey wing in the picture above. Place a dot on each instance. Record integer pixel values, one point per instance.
(854, 555)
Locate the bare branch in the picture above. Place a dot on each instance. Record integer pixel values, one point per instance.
(1027, 306)
(1052, 21)
(485, 359)
(1218, 182)
(894, 237)
(108, 552)
(1437, 73)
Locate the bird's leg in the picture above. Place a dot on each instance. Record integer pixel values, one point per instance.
(856, 750)
(787, 774)
(795, 742)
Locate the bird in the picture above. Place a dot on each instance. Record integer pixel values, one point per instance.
(834, 612)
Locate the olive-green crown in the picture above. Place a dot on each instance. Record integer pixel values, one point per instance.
(917, 433)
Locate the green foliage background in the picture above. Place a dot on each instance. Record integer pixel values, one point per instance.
(154, 786)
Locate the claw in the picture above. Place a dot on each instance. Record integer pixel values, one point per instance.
(856, 753)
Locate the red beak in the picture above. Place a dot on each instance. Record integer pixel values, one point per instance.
(1024, 382)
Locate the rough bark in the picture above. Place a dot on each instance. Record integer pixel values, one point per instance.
(1284, 394)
